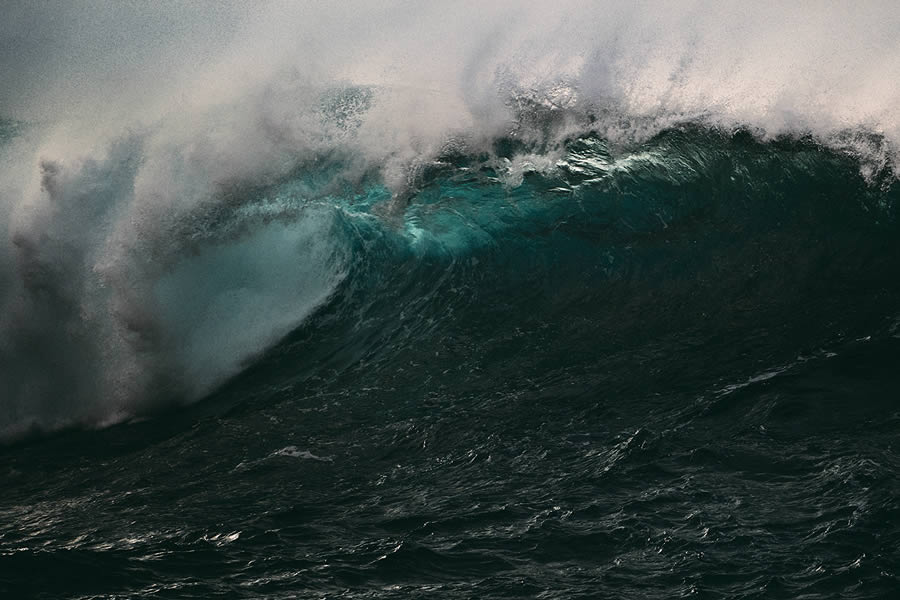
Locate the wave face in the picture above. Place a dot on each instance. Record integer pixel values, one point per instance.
(588, 302)
(165, 303)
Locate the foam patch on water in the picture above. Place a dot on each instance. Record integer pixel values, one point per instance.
(294, 452)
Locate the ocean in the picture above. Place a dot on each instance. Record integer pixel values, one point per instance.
(571, 318)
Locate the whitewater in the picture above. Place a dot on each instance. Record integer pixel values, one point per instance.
(403, 299)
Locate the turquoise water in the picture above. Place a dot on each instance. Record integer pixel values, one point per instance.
(582, 371)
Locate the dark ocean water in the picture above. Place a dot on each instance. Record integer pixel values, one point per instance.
(667, 370)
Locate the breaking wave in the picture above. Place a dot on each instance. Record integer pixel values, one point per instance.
(165, 232)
